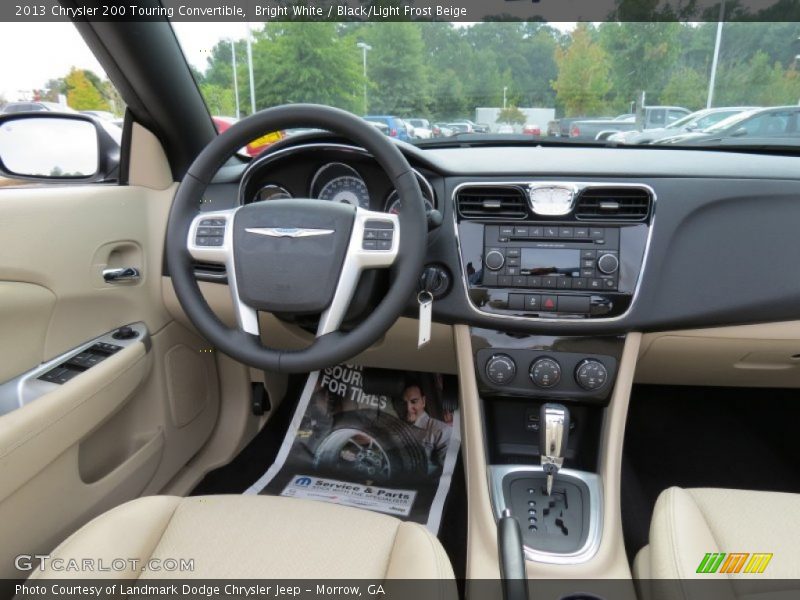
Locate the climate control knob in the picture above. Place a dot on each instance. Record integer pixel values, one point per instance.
(500, 369)
(608, 264)
(494, 260)
(591, 374)
(545, 372)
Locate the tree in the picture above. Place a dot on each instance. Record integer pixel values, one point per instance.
(582, 83)
(512, 115)
(397, 69)
(687, 87)
(220, 100)
(81, 93)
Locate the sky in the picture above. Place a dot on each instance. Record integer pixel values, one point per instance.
(44, 51)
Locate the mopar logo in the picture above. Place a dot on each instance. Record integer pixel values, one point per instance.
(304, 481)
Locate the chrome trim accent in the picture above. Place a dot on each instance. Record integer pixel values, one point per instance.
(548, 208)
(246, 316)
(26, 388)
(270, 156)
(355, 261)
(121, 275)
(290, 232)
(465, 286)
(497, 473)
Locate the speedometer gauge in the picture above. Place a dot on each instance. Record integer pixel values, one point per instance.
(346, 189)
(393, 204)
(272, 192)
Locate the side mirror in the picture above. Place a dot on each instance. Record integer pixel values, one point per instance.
(49, 147)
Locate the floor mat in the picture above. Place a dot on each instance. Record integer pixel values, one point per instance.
(705, 437)
(377, 439)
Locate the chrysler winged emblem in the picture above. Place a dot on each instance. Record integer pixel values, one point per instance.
(292, 232)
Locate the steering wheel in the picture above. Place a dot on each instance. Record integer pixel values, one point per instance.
(298, 256)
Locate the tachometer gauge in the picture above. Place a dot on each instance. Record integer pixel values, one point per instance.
(272, 192)
(393, 203)
(346, 189)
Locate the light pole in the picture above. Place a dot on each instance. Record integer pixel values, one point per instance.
(505, 89)
(250, 69)
(364, 49)
(235, 79)
(715, 60)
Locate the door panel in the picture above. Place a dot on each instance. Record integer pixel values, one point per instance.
(127, 425)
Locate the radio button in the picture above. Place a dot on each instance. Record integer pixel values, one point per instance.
(534, 232)
(489, 279)
(494, 260)
(608, 264)
(566, 232)
(512, 252)
(579, 283)
(519, 281)
(504, 281)
(574, 304)
(581, 232)
(506, 230)
(596, 284)
(551, 232)
(520, 232)
(512, 262)
(534, 282)
(533, 302)
(587, 272)
(513, 271)
(564, 283)
(610, 284)
(549, 282)
(516, 301)
(588, 254)
(597, 234)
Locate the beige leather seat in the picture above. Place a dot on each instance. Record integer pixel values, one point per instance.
(257, 537)
(689, 523)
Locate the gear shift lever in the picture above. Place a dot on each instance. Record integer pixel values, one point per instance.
(553, 434)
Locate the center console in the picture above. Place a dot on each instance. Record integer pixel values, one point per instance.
(551, 250)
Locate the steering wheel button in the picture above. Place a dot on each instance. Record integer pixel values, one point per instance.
(209, 241)
(385, 234)
(384, 244)
(370, 234)
(370, 245)
(376, 224)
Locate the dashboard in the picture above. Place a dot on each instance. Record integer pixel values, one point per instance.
(332, 172)
(716, 244)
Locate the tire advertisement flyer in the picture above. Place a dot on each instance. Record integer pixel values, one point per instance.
(375, 439)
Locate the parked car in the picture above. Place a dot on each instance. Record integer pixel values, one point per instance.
(17, 107)
(382, 127)
(505, 129)
(564, 125)
(255, 147)
(422, 128)
(100, 114)
(599, 129)
(441, 130)
(531, 129)
(398, 128)
(478, 127)
(751, 127)
(696, 121)
(460, 127)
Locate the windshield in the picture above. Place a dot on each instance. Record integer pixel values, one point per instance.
(730, 121)
(433, 80)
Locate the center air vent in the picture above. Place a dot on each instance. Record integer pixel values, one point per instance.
(497, 202)
(613, 204)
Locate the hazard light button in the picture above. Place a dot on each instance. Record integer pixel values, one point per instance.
(549, 303)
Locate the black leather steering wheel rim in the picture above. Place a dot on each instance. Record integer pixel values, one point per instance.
(331, 348)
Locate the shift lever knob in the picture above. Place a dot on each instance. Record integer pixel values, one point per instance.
(553, 434)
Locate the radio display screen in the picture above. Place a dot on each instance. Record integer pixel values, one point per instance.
(545, 261)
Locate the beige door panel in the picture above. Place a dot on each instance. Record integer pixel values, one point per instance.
(25, 311)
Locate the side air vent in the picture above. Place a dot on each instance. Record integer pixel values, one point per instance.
(500, 202)
(613, 204)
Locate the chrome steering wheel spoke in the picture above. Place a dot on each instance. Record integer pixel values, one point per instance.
(374, 244)
(210, 239)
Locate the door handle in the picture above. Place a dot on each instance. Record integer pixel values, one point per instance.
(121, 275)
